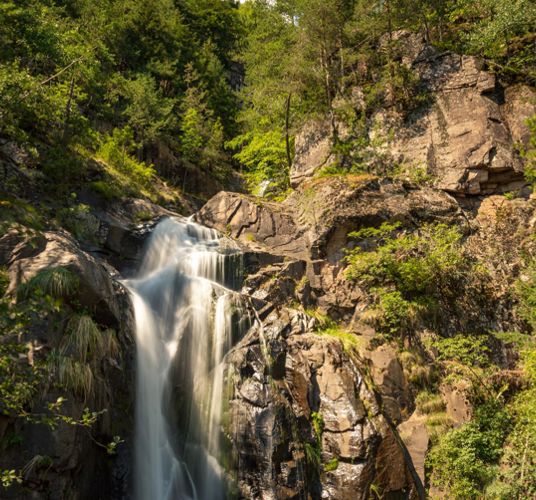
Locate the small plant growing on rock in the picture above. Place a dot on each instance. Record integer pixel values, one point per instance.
(407, 274)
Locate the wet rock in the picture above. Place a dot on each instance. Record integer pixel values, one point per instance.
(274, 406)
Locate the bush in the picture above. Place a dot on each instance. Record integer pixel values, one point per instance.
(79, 221)
(265, 158)
(463, 461)
(117, 151)
(415, 271)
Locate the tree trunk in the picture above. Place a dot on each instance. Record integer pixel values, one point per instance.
(287, 134)
(68, 109)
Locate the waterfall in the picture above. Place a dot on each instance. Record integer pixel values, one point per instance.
(187, 318)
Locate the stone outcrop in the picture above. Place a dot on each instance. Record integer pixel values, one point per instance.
(313, 150)
(63, 461)
(467, 134)
(467, 137)
(258, 225)
(297, 403)
(311, 229)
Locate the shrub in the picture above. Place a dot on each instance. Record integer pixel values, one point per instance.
(117, 151)
(467, 350)
(265, 157)
(415, 270)
(79, 221)
(462, 462)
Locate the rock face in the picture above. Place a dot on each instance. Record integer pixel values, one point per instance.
(467, 137)
(66, 461)
(258, 225)
(467, 134)
(297, 403)
(311, 229)
(313, 151)
(306, 419)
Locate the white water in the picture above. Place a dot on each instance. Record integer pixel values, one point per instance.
(184, 327)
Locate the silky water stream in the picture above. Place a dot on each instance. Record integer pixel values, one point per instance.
(187, 318)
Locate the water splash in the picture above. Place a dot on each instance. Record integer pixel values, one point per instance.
(187, 319)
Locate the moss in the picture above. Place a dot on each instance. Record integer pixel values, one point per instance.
(143, 215)
(348, 340)
(331, 465)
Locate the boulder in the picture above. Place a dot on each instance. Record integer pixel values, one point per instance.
(97, 291)
(257, 224)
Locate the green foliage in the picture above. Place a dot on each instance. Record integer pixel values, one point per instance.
(263, 154)
(501, 32)
(107, 189)
(82, 338)
(332, 465)
(79, 221)
(313, 451)
(526, 292)
(202, 138)
(15, 213)
(467, 350)
(517, 474)
(463, 460)
(318, 425)
(18, 384)
(117, 150)
(312, 456)
(348, 340)
(8, 477)
(71, 71)
(530, 153)
(421, 269)
(326, 326)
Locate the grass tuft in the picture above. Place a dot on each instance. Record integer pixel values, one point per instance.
(57, 282)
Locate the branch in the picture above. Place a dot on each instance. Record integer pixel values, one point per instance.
(53, 77)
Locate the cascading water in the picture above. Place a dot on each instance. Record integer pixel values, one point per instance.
(187, 318)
